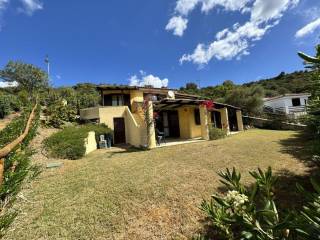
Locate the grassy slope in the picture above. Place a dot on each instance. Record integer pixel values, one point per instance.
(142, 195)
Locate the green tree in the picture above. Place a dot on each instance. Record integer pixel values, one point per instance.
(191, 86)
(313, 120)
(87, 95)
(250, 99)
(29, 77)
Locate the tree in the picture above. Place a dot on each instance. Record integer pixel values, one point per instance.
(313, 120)
(191, 86)
(228, 84)
(249, 99)
(29, 77)
(87, 95)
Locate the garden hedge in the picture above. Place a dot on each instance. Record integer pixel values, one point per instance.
(69, 142)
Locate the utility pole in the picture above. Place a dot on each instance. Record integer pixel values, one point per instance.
(46, 60)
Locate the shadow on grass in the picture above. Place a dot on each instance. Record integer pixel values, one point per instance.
(125, 149)
(300, 146)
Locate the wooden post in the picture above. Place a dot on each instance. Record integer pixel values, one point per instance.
(1, 170)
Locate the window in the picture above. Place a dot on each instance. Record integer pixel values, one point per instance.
(197, 117)
(296, 102)
(117, 100)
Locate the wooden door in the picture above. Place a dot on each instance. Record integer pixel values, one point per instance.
(173, 121)
(119, 130)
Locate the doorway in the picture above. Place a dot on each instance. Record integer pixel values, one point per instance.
(119, 131)
(173, 124)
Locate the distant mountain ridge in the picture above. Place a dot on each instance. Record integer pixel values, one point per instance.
(296, 82)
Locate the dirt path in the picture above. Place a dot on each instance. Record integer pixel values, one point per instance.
(40, 157)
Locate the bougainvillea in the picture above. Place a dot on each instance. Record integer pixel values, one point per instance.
(209, 104)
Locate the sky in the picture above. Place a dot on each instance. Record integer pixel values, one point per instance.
(159, 42)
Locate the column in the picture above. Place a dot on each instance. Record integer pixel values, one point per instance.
(225, 119)
(151, 133)
(204, 122)
(239, 120)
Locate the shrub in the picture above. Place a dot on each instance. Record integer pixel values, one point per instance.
(69, 142)
(17, 165)
(4, 106)
(217, 133)
(15, 128)
(252, 212)
(59, 113)
(8, 103)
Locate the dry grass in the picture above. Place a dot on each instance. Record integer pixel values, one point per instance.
(145, 194)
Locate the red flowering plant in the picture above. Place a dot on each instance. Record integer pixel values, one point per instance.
(209, 104)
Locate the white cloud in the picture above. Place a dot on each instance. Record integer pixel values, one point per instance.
(3, 4)
(228, 44)
(184, 7)
(236, 42)
(148, 80)
(30, 6)
(178, 25)
(264, 11)
(8, 84)
(308, 29)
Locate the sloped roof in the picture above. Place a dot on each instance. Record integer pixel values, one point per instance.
(288, 95)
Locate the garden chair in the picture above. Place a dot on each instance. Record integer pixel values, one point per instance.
(160, 137)
(102, 142)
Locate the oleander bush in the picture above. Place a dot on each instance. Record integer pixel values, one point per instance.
(217, 133)
(69, 142)
(252, 212)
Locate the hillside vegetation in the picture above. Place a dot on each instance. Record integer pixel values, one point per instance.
(249, 95)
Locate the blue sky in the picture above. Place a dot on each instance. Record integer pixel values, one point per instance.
(159, 41)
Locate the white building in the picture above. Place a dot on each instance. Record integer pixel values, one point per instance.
(293, 105)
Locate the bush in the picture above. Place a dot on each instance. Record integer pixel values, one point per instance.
(69, 142)
(59, 113)
(217, 133)
(4, 107)
(17, 165)
(252, 212)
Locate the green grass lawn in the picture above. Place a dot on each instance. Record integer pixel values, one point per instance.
(146, 194)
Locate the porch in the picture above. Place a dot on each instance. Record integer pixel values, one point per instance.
(178, 141)
(187, 120)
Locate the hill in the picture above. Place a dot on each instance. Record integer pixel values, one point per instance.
(296, 82)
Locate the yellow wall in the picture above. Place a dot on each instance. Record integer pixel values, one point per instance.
(136, 96)
(188, 127)
(134, 131)
(90, 143)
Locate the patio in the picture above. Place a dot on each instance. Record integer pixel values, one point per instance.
(179, 141)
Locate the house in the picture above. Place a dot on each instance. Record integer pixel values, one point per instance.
(177, 115)
(293, 105)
